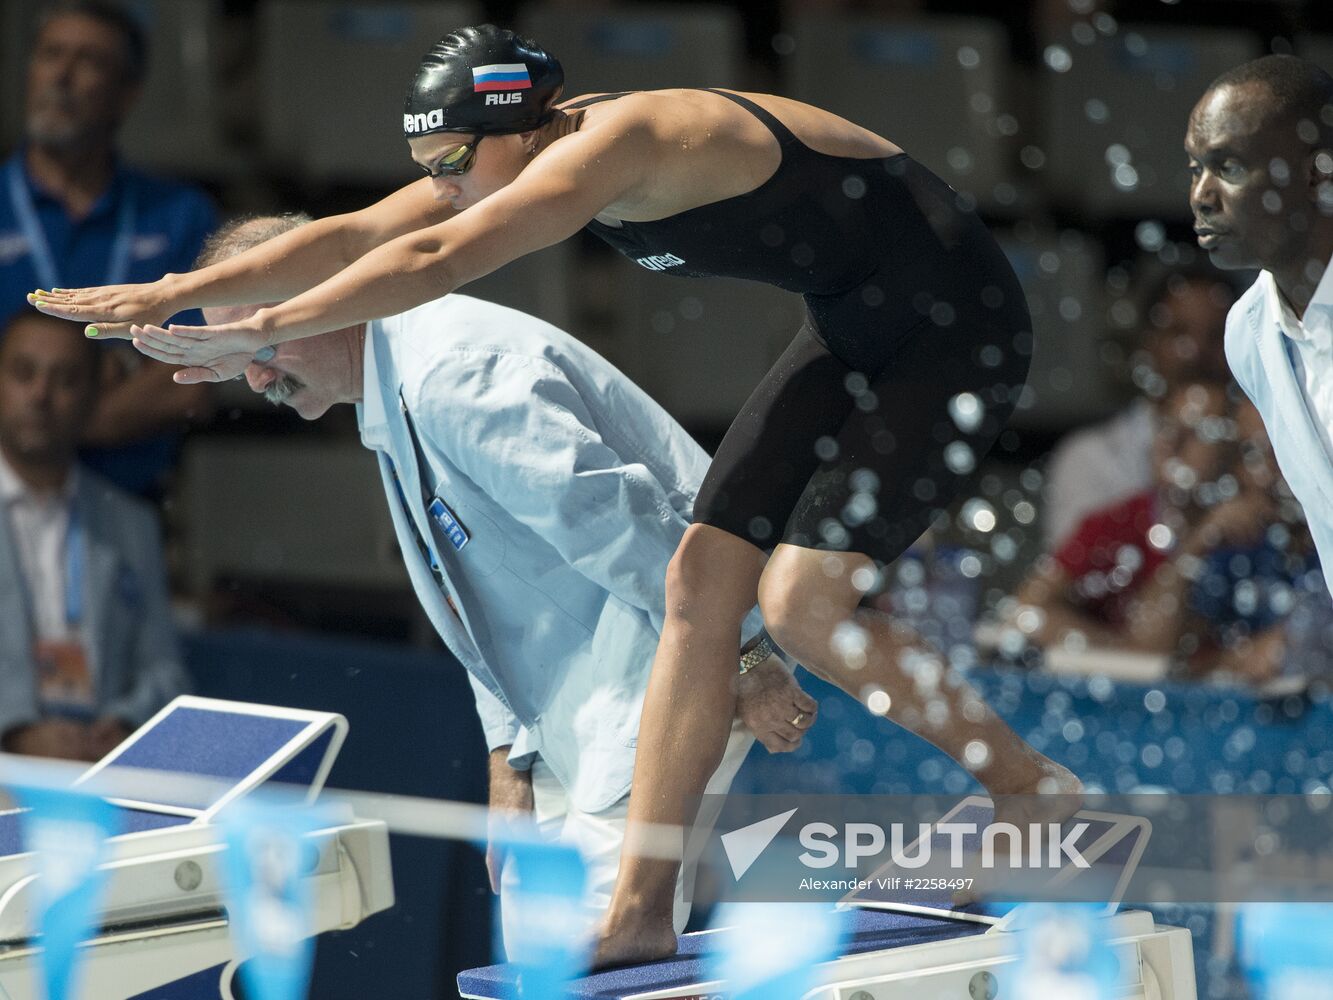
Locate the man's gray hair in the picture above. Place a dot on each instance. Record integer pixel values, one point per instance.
(238, 235)
(246, 232)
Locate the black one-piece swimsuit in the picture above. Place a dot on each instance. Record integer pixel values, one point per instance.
(915, 348)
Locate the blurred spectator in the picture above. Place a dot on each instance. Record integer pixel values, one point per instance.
(74, 215)
(1244, 595)
(1204, 565)
(1100, 582)
(87, 650)
(1183, 321)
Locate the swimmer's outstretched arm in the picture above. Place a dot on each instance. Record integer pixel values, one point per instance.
(561, 190)
(270, 272)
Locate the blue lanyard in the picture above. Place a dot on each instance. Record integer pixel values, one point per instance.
(424, 547)
(118, 261)
(74, 556)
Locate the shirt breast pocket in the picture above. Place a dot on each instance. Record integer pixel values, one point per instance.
(465, 534)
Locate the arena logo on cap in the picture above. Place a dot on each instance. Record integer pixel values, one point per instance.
(422, 122)
(501, 76)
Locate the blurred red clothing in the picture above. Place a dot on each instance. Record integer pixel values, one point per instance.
(1109, 556)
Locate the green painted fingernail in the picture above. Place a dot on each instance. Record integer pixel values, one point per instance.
(90, 331)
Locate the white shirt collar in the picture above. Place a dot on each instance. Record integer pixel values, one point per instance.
(370, 411)
(13, 488)
(1316, 327)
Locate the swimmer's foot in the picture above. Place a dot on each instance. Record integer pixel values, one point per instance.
(1038, 791)
(628, 940)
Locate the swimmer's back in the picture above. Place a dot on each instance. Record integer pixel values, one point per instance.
(755, 199)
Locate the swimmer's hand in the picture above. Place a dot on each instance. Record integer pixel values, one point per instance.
(111, 309)
(205, 353)
(768, 699)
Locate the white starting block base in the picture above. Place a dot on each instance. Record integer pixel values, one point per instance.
(163, 917)
(1155, 963)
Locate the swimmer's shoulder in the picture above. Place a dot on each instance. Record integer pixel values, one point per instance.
(632, 123)
(692, 111)
(637, 105)
(620, 100)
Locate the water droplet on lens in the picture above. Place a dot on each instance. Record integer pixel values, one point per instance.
(1057, 57)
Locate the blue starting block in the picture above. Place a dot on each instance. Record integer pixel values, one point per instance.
(163, 927)
(901, 950)
(890, 956)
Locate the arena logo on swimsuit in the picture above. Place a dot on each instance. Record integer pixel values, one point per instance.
(659, 262)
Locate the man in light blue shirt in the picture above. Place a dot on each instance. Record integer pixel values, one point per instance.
(537, 495)
(1260, 144)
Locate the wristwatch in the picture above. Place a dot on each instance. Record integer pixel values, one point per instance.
(755, 652)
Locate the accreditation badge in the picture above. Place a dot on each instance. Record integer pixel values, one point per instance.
(64, 679)
(448, 523)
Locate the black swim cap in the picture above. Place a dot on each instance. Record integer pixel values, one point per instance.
(484, 81)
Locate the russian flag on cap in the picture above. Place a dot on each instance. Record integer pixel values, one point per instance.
(501, 76)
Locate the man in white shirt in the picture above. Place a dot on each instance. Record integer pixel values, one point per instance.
(87, 649)
(1260, 144)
